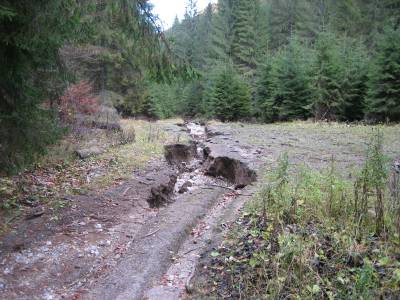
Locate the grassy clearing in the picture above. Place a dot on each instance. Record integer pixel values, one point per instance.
(315, 235)
(150, 139)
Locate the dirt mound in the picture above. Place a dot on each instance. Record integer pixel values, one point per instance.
(178, 153)
(231, 168)
(161, 194)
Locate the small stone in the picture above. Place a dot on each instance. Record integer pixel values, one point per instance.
(93, 250)
(185, 187)
(104, 243)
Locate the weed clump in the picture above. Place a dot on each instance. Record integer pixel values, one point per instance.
(316, 235)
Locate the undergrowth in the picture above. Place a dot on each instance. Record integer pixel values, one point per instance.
(315, 235)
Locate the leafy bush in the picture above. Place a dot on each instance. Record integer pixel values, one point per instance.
(78, 99)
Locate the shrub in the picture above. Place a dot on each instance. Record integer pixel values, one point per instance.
(78, 99)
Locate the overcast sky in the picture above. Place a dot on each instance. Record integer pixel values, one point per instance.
(168, 9)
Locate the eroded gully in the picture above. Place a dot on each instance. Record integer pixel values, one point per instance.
(211, 185)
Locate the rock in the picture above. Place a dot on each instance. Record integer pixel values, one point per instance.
(355, 260)
(178, 153)
(31, 201)
(185, 187)
(35, 213)
(396, 166)
(2, 285)
(161, 194)
(93, 250)
(88, 152)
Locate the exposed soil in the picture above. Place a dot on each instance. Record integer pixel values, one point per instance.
(116, 243)
(111, 244)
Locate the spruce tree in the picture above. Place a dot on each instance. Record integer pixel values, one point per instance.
(31, 35)
(327, 79)
(383, 102)
(203, 40)
(292, 85)
(354, 80)
(289, 17)
(264, 96)
(221, 37)
(244, 35)
(231, 97)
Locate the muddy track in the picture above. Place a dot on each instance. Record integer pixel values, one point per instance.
(141, 239)
(164, 254)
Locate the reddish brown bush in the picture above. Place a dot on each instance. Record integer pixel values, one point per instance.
(78, 99)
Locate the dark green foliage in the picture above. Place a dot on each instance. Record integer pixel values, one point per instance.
(114, 44)
(165, 100)
(292, 83)
(354, 81)
(193, 99)
(327, 80)
(222, 33)
(231, 99)
(284, 91)
(265, 89)
(31, 33)
(287, 18)
(244, 35)
(335, 38)
(383, 101)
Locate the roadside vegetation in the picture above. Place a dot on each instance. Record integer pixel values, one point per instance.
(62, 173)
(314, 234)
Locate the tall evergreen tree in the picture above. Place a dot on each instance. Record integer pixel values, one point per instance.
(292, 84)
(243, 46)
(31, 33)
(190, 23)
(264, 95)
(289, 17)
(383, 102)
(347, 17)
(232, 98)
(221, 38)
(327, 81)
(204, 38)
(353, 80)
